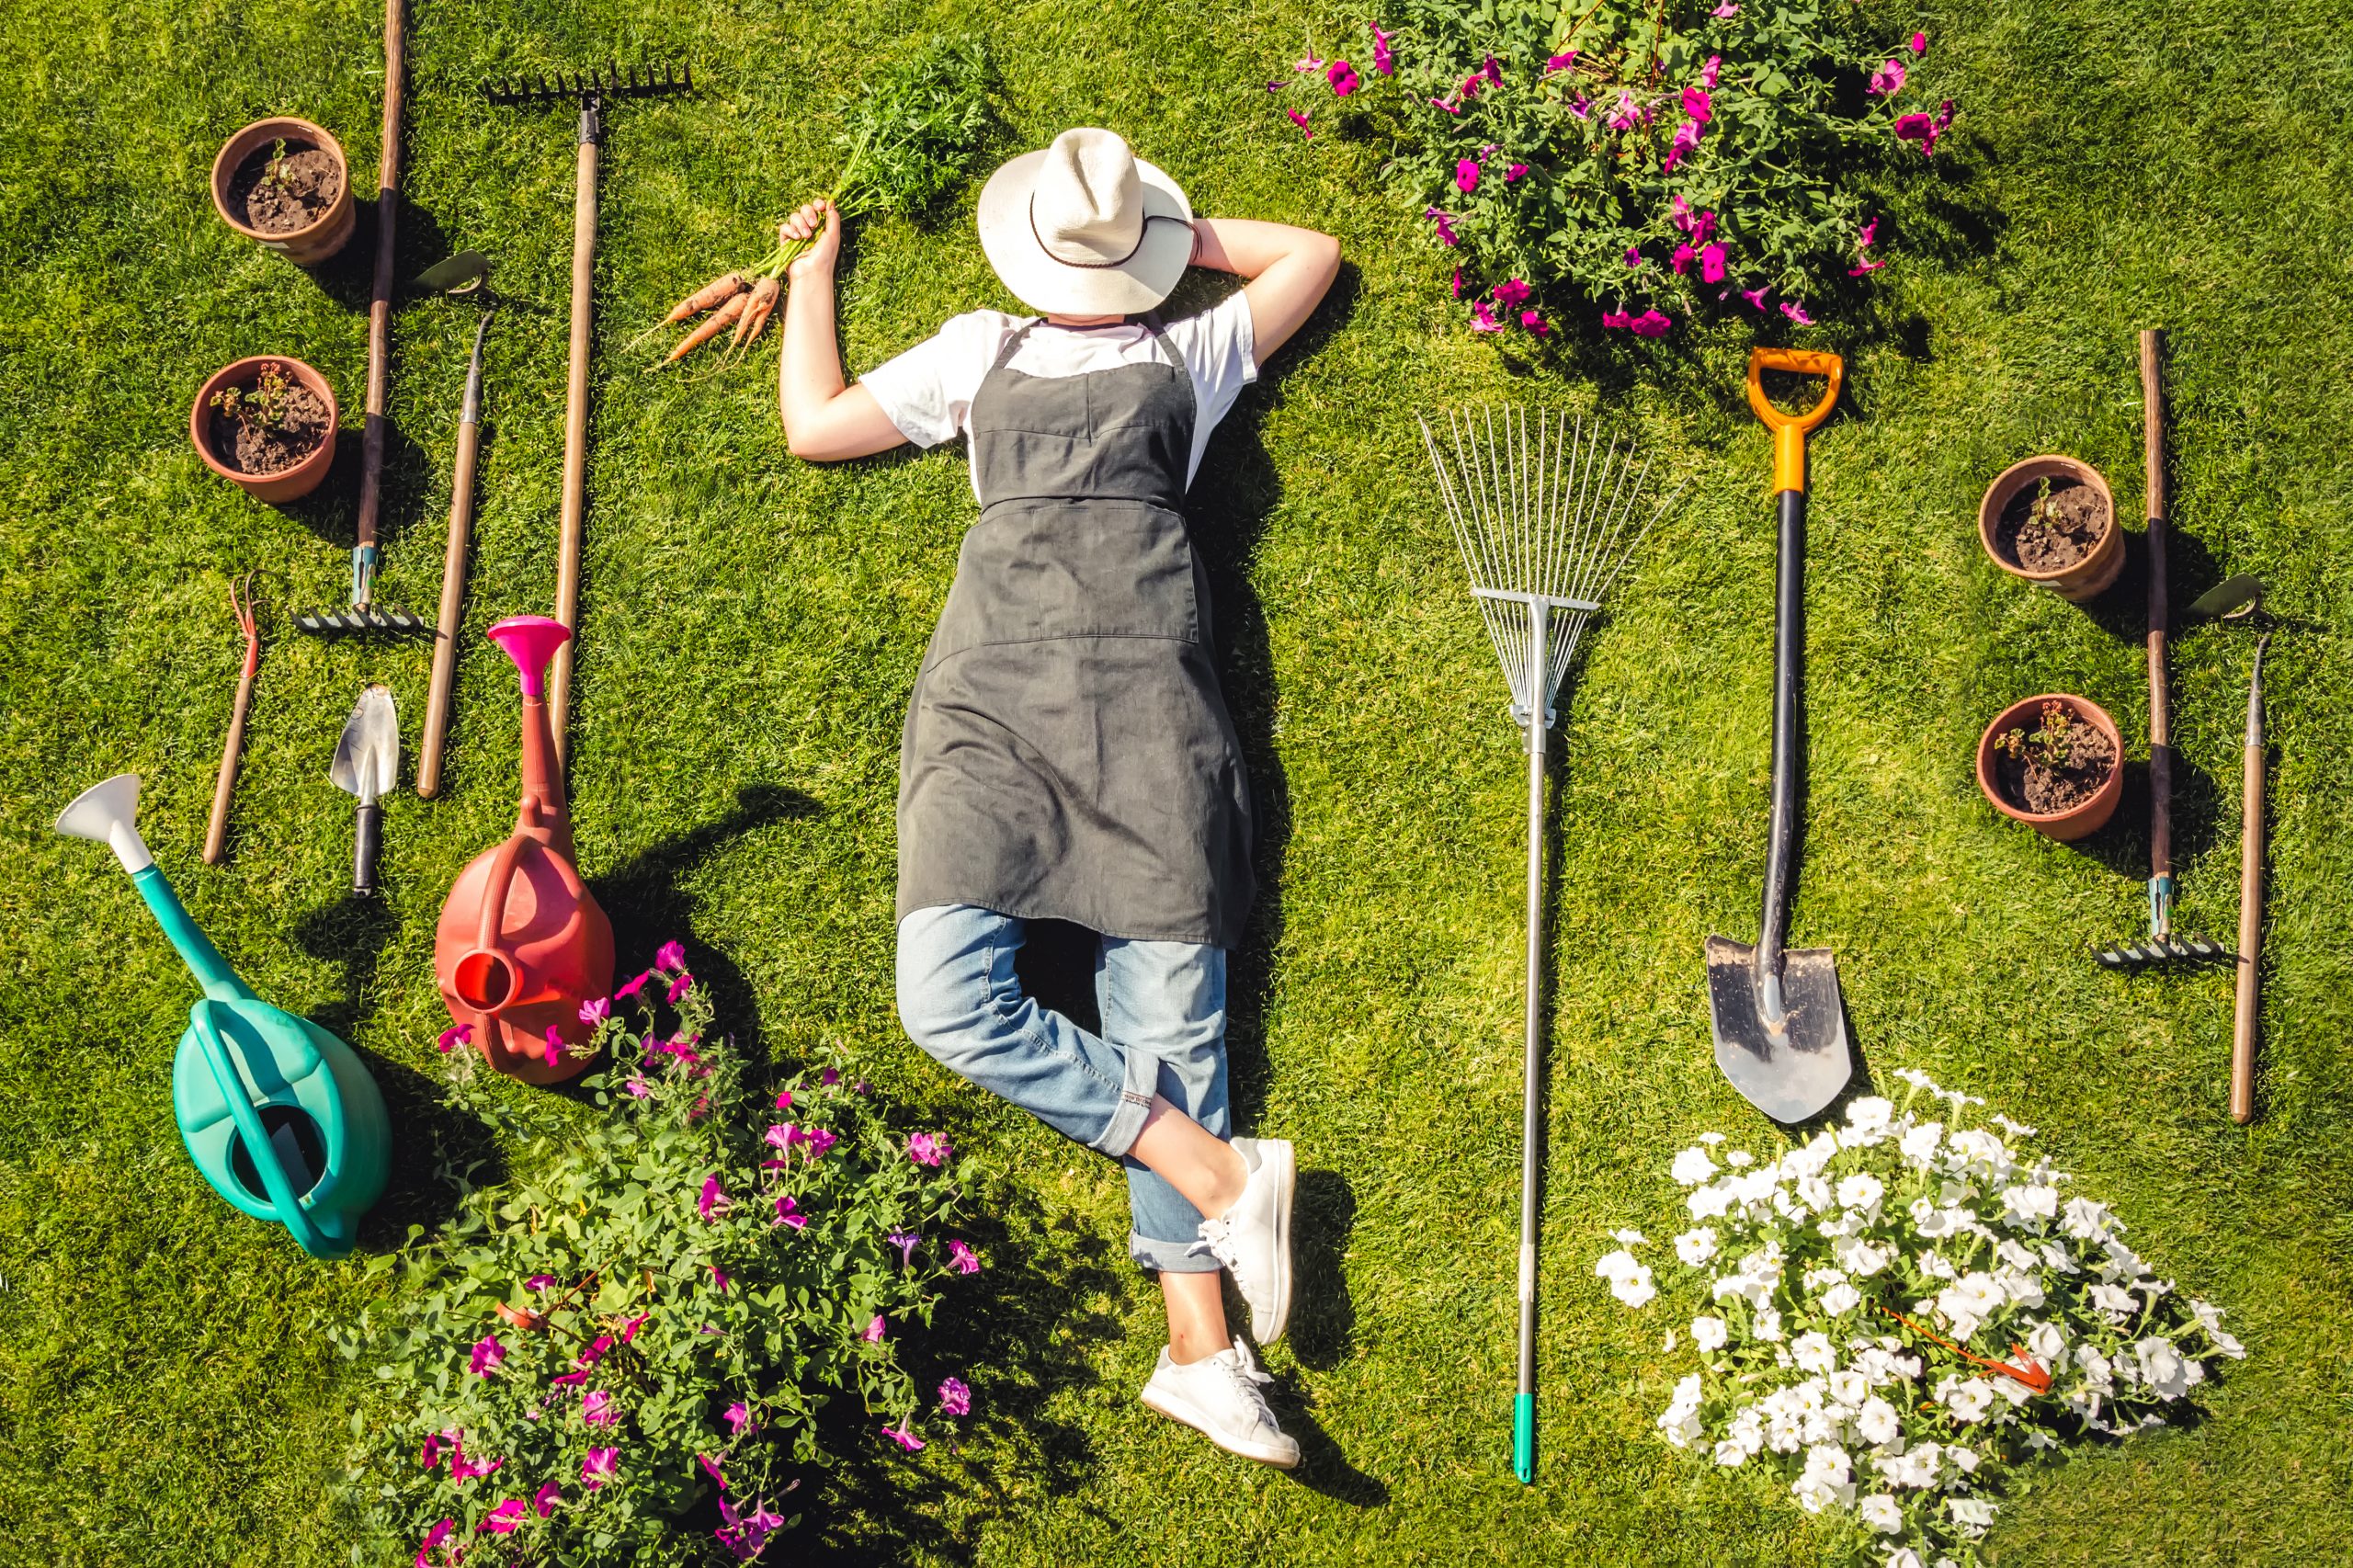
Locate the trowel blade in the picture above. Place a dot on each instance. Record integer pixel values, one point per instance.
(1791, 1073)
(368, 753)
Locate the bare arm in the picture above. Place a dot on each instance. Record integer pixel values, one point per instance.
(1288, 271)
(823, 420)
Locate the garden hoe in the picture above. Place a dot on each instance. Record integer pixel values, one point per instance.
(2163, 949)
(1546, 513)
(461, 517)
(1780, 1025)
(365, 615)
(216, 832)
(279, 1114)
(589, 91)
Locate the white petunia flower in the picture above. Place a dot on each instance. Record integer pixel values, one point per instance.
(2162, 1368)
(2097, 1371)
(1917, 1079)
(1709, 1333)
(2084, 1220)
(2056, 1257)
(1880, 1511)
(1618, 1265)
(2046, 1343)
(1968, 1399)
(1962, 1460)
(1847, 1387)
(2016, 1256)
(1711, 1139)
(1861, 1191)
(1919, 1146)
(1972, 1514)
(1870, 1111)
(1737, 1157)
(2023, 1290)
(1764, 1324)
(1878, 1422)
(1630, 1238)
(1667, 1346)
(1827, 1478)
(1841, 1299)
(2030, 1204)
(1902, 1557)
(1709, 1202)
(2113, 1298)
(1730, 1455)
(2209, 1318)
(1814, 1352)
(1696, 1246)
(1691, 1167)
(1862, 1257)
(2014, 1129)
(1635, 1290)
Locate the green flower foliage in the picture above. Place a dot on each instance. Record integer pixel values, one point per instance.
(1656, 158)
(581, 1357)
(918, 128)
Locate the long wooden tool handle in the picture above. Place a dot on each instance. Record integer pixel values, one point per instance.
(216, 835)
(2243, 1018)
(453, 600)
(576, 431)
(380, 298)
(2153, 463)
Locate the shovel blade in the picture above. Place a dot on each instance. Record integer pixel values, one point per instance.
(1792, 1072)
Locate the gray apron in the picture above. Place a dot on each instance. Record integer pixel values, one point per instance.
(1068, 754)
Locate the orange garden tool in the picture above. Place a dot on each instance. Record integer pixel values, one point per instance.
(216, 836)
(1780, 1027)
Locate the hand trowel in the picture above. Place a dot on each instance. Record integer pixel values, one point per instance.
(366, 758)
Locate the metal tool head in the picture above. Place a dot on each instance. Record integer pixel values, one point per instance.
(2233, 598)
(1790, 1068)
(611, 80)
(468, 272)
(368, 753)
(362, 620)
(2164, 952)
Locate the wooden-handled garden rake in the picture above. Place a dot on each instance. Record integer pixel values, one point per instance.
(1546, 510)
(589, 90)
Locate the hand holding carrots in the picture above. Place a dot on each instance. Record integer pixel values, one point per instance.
(816, 230)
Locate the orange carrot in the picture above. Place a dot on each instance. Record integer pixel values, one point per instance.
(720, 320)
(759, 304)
(711, 293)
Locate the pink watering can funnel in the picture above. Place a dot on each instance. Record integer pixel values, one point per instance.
(521, 943)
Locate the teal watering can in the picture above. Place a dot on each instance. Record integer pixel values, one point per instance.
(277, 1113)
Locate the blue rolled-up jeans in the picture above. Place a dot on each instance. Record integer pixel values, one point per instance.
(1163, 1007)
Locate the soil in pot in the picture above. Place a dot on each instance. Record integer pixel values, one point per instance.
(285, 186)
(2050, 524)
(269, 425)
(2054, 766)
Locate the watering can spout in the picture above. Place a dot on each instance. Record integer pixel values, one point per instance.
(108, 814)
(531, 641)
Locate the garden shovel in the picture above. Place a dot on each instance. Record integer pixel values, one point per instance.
(1780, 1025)
(365, 760)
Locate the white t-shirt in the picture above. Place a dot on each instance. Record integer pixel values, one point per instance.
(927, 392)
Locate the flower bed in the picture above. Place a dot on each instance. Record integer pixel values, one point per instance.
(622, 1358)
(1647, 162)
(1892, 1314)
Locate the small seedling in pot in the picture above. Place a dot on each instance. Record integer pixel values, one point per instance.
(273, 172)
(2045, 508)
(263, 406)
(2052, 746)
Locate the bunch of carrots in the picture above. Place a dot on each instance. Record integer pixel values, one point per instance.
(916, 133)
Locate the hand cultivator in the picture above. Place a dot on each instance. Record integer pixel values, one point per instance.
(589, 91)
(1545, 511)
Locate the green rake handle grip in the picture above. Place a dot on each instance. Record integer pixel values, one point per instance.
(1523, 1438)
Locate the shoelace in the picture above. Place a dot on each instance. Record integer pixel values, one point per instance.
(1217, 1240)
(1248, 1381)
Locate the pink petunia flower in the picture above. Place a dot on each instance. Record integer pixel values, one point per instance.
(713, 1199)
(1445, 220)
(1796, 313)
(1343, 77)
(636, 1087)
(1919, 44)
(1634, 256)
(1711, 264)
(905, 1241)
(488, 1354)
(1492, 70)
(1687, 140)
(633, 986)
(1649, 324)
(1299, 118)
(1466, 176)
(738, 1418)
(1454, 289)
(927, 1148)
(596, 1351)
(543, 1500)
(964, 1259)
(1708, 71)
(830, 1076)
(1924, 129)
(1306, 63)
(555, 1043)
(680, 987)
(1483, 318)
(1725, 10)
(1449, 105)
(955, 1398)
(595, 1012)
(1888, 78)
(1511, 292)
(1627, 113)
(1534, 322)
(1681, 259)
(454, 1035)
(539, 1282)
(1755, 297)
(906, 1441)
(1514, 172)
(1471, 85)
(462, 1469)
(876, 1330)
(1582, 108)
(432, 1540)
(1698, 106)
(670, 956)
(787, 1213)
(600, 1466)
(631, 1325)
(1561, 63)
(1616, 319)
(718, 1276)
(1384, 60)
(504, 1520)
(598, 1409)
(712, 1470)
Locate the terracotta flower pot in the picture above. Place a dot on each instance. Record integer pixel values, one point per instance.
(305, 246)
(2086, 816)
(2086, 577)
(287, 484)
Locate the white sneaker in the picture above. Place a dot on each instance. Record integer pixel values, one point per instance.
(1253, 1238)
(1219, 1397)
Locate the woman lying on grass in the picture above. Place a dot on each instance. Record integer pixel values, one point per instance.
(1068, 754)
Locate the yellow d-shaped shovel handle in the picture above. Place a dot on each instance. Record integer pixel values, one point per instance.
(1789, 429)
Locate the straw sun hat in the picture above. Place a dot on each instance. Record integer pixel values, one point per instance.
(1085, 227)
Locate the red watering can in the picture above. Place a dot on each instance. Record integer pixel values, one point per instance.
(522, 944)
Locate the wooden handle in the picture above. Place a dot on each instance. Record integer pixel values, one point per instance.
(379, 297)
(453, 600)
(216, 835)
(575, 441)
(2242, 1019)
(2153, 463)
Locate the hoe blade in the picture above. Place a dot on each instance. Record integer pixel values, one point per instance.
(1792, 1072)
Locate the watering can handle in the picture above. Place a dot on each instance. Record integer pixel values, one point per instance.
(1790, 430)
(282, 1197)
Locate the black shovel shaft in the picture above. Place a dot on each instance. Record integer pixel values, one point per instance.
(1789, 729)
(366, 835)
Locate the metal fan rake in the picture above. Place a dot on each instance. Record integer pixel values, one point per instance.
(1548, 508)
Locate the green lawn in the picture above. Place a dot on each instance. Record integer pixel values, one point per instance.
(751, 627)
